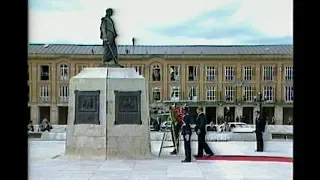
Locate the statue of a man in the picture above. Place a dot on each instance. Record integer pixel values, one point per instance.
(108, 35)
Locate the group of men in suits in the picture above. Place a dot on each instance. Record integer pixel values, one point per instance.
(200, 130)
(186, 132)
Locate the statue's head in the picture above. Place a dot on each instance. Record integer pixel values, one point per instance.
(109, 12)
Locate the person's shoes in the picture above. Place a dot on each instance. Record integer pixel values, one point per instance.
(209, 155)
(198, 156)
(173, 153)
(185, 161)
(258, 151)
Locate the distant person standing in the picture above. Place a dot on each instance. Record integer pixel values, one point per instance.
(273, 120)
(290, 120)
(30, 126)
(260, 128)
(186, 133)
(201, 132)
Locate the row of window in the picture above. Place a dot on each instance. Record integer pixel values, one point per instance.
(211, 94)
(63, 93)
(174, 73)
(229, 94)
(211, 73)
(63, 72)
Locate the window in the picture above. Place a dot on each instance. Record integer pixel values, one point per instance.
(174, 73)
(288, 76)
(192, 95)
(63, 72)
(63, 93)
(229, 73)
(267, 73)
(288, 94)
(192, 73)
(268, 93)
(138, 70)
(156, 73)
(44, 73)
(44, 93)
(156, 94)
(211, 93)
(211, 73)
(80, 68)
(247, 75)
(248, 94)
(175, 93)
(229, 93)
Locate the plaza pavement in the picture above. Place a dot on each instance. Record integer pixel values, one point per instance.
(46, 162)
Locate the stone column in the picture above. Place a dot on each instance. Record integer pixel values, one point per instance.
(278, 115)
(238, 85)
(183, 79)
(34, 114)
(257, 79)
(72, 71)
(201, 85)
(238, 111)
(220, 111)
(164, 79)
(54, 114)
(53, 84)
(219, 91)
(34, 92)
(204, 111)
(279, 88)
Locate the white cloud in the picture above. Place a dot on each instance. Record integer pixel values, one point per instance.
(133, 17)
(207, 23)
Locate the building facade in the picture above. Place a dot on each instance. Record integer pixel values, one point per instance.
(223, 79)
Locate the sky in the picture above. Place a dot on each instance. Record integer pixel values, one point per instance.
(163, 22)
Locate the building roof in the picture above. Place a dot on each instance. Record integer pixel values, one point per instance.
(162, 50)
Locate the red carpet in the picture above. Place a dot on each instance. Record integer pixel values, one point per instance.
(246, 158)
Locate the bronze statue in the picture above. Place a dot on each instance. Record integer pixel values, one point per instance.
(108, 35)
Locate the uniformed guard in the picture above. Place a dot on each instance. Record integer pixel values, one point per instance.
(186, 133)
(260, 128)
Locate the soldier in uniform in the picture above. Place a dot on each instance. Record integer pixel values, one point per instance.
(186, 133)
(177, 122)
(260, 127)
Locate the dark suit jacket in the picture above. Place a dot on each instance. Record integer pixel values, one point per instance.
(201, 123)
(186, 128)
(260, 124)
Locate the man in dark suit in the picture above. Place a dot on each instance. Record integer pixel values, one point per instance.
(260, 127)
(186, 133)
(200, 130)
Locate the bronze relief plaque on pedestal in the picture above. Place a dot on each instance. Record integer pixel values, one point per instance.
(87, 105)
(127, 107)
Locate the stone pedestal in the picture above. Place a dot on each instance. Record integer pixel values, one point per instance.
(108, 115)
